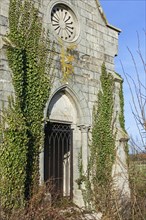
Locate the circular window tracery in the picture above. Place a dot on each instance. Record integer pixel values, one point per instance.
(64, 22)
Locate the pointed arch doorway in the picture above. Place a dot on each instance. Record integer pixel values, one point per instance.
(58, 151)
(59, 158)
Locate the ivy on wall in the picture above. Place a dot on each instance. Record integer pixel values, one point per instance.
(97, 181)
(103, 144)
(122, 119)
(102, 149)
(28, 47)
(121, 115)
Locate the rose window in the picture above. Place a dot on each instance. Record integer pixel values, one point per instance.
(64, 22)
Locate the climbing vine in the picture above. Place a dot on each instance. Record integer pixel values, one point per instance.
(121, 118)
(102, 149)
(121, 115)
(28, 47)
(66, 60)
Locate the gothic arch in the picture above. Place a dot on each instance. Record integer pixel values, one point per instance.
(75, 98)
(67, 106)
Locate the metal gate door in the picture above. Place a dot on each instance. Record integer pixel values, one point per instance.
(58, 158)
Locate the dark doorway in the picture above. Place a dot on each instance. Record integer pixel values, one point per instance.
(58, 161)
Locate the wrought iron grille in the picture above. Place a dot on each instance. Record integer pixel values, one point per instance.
(58, 157)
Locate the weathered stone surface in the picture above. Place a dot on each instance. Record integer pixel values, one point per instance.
(73, 101)
(3, 20)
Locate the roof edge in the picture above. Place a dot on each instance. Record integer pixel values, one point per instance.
(114, 28)
(105, 19)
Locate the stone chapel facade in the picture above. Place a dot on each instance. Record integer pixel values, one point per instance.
(70, 106)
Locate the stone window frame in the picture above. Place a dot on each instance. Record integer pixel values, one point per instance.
(75, 15)
(64, 22)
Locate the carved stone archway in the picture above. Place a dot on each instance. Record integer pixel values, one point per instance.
(65, 109)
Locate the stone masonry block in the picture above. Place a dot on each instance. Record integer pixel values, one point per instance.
(3, 20)
(86, 14)
(92, 97)
(5, 75)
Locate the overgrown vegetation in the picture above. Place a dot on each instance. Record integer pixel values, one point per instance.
(96, 188)
(28, 47)
(102, 149)
(28, 55)
(137, 173)
(40, 206)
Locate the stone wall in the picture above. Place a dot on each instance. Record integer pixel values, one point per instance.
(6, 87)
(96, 42)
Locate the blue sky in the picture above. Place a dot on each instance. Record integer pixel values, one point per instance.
(130, 17)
